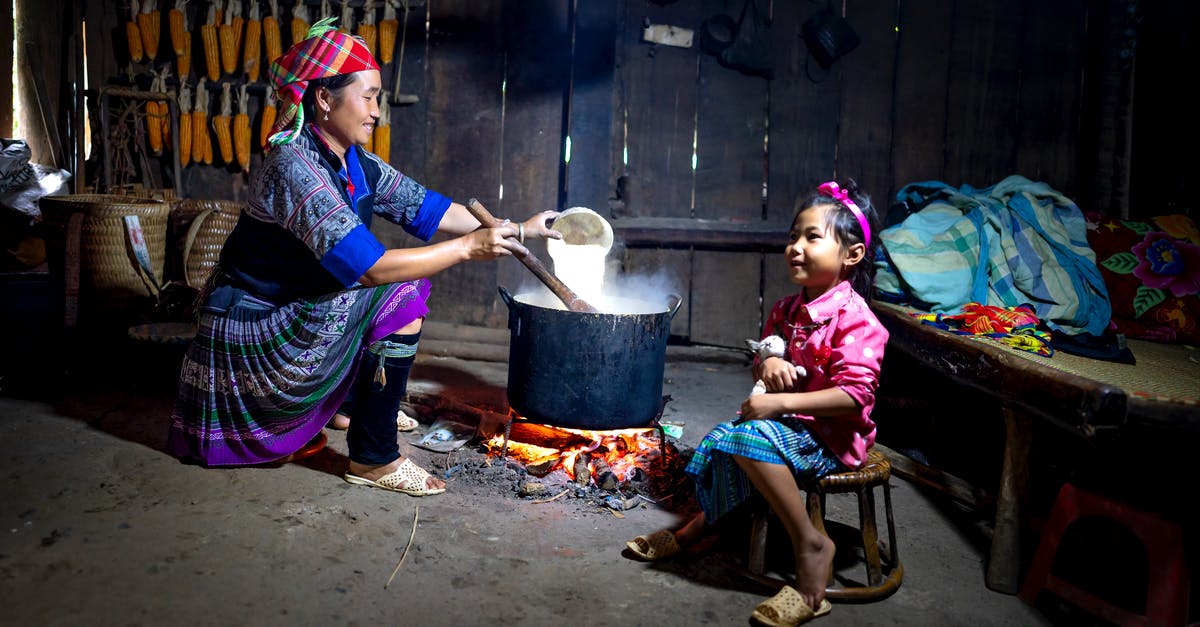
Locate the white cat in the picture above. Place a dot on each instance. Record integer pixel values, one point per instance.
(770, 346)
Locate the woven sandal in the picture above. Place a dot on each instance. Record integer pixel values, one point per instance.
(659, 545)
(409, 478)
(404, 422)
(787, 609)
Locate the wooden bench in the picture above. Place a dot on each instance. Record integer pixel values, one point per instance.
(1087, 397)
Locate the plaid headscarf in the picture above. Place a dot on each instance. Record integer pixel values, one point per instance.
(325, 52)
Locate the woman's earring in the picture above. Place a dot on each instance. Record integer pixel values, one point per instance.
(327, 115)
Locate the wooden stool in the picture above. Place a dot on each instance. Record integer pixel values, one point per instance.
(1168, 581)
(862, 482)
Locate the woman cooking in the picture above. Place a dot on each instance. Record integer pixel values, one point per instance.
(307, 310)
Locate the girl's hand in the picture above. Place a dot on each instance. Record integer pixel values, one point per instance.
(777, 374)
(539, 226)
(762, 407)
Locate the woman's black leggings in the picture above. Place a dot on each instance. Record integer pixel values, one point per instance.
(375, 397)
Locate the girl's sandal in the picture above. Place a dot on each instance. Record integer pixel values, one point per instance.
(787, 609)
(659, 545)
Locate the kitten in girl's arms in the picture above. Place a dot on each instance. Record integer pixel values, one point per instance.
(770, 346)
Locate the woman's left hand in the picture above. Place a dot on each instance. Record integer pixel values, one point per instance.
(539, 226)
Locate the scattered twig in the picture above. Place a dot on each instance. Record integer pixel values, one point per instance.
(553, 497)
(403, 555)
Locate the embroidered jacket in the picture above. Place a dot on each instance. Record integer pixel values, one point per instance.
(303, 234)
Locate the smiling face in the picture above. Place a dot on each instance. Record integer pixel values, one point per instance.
(353, 111)
(816, 260)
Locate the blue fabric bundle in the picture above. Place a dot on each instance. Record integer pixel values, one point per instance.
(1016, 242)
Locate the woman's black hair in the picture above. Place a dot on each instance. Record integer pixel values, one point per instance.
(849, 232)
(335, 84)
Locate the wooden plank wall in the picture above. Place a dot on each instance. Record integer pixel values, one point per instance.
(960, 91)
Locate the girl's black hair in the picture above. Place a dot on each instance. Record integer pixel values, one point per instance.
(849, 232)
(335, 84)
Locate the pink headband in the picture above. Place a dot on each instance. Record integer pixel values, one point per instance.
(832, 190)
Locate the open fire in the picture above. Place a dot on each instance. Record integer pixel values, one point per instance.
(607, 458)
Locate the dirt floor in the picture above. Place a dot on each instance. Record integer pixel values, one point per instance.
(101, 527)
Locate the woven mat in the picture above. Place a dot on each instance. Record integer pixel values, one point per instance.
(1164, 372)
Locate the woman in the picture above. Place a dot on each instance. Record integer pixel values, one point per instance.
(307, 310)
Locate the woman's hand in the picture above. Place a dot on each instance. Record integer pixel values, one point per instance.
(539, 226)
(488, 244)
(778, 375)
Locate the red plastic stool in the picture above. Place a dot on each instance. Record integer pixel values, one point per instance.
(1168, 579)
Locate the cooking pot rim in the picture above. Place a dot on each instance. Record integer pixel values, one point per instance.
(511, 301)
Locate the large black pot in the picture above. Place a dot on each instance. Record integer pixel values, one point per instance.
(576, 370)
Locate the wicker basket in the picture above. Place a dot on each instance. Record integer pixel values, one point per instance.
(110, 276)
(213, 221)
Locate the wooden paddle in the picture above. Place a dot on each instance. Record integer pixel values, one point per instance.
(560, 289)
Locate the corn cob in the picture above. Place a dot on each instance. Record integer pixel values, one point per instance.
(241, 130)
(382, 135)
(347, 19)
(154, 115)
(133, 34)
(212, 52)
(253, 48)
(270, 32)
(300, 22)
(230, 34)
(148, 27)
(185, 124)
(181, 38)
(268, 118)
(387, 32)
(366, 28)
(221, 125)
(201, 145)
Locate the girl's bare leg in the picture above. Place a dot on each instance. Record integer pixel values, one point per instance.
(814, 550)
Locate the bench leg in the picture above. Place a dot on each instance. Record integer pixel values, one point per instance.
(1004, 563)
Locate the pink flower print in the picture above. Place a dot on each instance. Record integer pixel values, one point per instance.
(1168, 264)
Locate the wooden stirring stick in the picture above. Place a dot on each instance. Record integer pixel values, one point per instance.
(560, 289)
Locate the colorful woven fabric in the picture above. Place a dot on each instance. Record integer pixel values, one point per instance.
(259, 382)
(1014, 326)
(326, 52)
(721, 485)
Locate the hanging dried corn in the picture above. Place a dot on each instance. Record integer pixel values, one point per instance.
(221, 125)
(201, 143)
(241, 130)
(212, 52)
(218, 7)
(270, 28)
(387, 32)
(185, 124)
(367, 29)
(181, 38)
(347, 18)
(148, 27)
(268, 118)
(133, 36)
(300, 22)
(230, 35)
(153, 126)
(156, 114)
(253, 48)
(382, 135)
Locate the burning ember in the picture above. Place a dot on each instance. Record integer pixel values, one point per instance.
(608, 458)
(616, 469)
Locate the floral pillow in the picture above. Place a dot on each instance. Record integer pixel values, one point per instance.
(1152, 271)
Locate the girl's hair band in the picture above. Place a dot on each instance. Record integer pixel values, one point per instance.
(835, 192)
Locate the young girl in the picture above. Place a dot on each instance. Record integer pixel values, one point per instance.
(802, 429)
